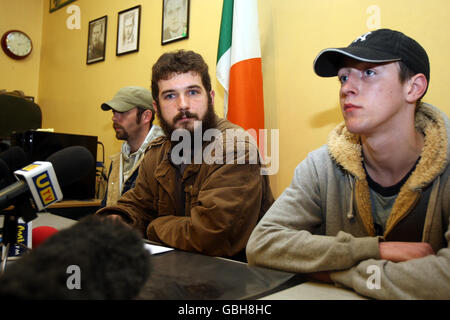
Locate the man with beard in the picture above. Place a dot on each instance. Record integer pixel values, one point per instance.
(210, 208)
(133, 116)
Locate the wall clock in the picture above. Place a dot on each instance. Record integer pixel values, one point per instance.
(16, 44)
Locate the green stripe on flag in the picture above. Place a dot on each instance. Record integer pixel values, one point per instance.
(226, 28)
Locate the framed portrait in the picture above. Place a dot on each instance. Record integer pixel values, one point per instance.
(175, 21)
(128, 25)
(96, 40)
(57, 4)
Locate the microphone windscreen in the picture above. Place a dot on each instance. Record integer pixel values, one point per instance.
(15, 158)
(40, 234)
(71, 164)
(6, 177)
(97, 258)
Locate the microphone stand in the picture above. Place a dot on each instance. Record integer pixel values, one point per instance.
(22, 209)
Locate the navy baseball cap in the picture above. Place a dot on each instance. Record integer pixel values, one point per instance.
(379, 46)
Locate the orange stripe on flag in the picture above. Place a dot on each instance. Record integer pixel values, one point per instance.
(245, 95)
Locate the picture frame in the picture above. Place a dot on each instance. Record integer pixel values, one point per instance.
(57, 4)
(175, 21)
(96, 40)
(128, 30)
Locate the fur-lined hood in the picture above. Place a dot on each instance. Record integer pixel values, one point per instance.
(345, 148)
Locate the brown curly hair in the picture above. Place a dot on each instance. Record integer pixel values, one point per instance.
(178, 62)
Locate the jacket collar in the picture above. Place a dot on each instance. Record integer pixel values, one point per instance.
(154, 132)
(345, 147)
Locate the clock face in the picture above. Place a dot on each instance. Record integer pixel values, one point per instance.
(16, 44)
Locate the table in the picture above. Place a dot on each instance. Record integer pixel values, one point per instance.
(75, 203)
(179, 275)
(75, 209)
(310, 290)
(52, 220)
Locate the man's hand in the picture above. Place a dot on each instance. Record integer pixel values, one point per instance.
(404, 251)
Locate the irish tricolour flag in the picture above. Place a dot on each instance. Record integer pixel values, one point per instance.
(239, 64)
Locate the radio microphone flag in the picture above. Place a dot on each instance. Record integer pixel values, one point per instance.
(41, 179)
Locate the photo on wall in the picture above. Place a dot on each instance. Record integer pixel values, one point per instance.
(96, 40)
(58, 4)
(175, 21)
(128, 25)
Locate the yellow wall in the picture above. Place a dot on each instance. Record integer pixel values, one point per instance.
(71, 91)
(24, 15)
(303, 106)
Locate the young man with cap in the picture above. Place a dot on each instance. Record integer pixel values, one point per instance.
(133, 116)
(209, 207)
(370, 210)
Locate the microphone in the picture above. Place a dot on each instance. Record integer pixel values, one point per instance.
(11, 160)
(97, 258)
(15, 158)
(6, 177)
(39, 180)
(40, 177)
(71, 164)
(40, 234)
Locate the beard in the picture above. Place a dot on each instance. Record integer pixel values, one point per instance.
(121, 134)
(208, 121)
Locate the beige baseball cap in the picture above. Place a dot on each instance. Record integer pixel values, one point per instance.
(128, 98)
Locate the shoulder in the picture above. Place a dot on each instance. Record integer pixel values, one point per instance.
(115, 157)
(157, 143)
(320, 154)
(156, 150)
(224, 124)
(230, 132)
(318, 165)
(316, 160)
(234, 143)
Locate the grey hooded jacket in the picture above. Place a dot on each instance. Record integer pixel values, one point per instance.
(323, 220)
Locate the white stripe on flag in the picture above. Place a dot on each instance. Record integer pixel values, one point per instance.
(245, 44)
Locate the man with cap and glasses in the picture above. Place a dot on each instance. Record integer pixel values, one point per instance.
(370, 209)
(133, 116)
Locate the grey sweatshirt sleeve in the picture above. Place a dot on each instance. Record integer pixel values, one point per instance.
(424, 278)
(291, 235)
